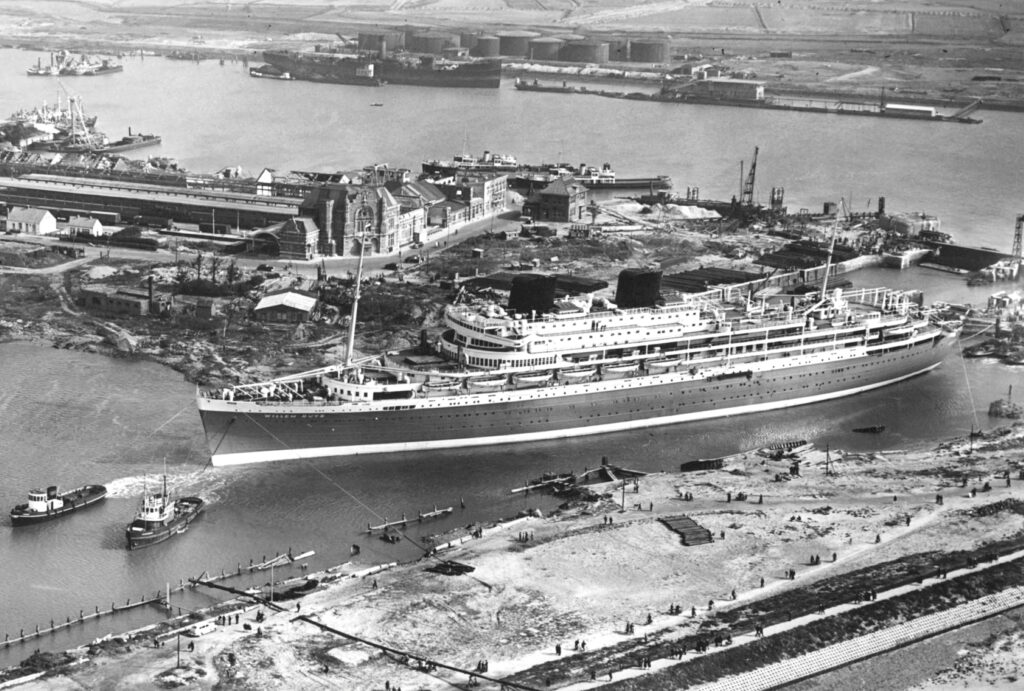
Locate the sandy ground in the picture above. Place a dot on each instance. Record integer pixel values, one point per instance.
(579, 578)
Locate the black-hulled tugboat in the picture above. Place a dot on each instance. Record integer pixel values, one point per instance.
(159, 518)
(45, 505)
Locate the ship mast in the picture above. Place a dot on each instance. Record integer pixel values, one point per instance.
(355, 300)
(831, 249)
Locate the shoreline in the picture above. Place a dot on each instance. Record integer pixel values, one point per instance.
(579, 556)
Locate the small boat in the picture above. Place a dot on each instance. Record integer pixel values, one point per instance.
(872, 429)
(442, 387)
(665, 364)
(577, 374)
(376, 105)
(45, 505)
(268, 72)
(623, 370)
(793, 447)
(159, 518)
(532, 378)
(487, 382)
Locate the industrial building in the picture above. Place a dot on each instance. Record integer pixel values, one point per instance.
(562, 200)
(133, 200)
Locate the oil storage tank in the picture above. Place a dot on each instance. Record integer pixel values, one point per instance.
(585, 51)
(618, 49)
(468, 41)
(545, 48)
(374, 41)
(648, 51)
(433, 42)
(516, 44)
(486, 47)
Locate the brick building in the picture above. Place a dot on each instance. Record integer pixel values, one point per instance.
(563, 200)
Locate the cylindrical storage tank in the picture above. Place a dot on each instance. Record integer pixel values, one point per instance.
(585, 51)
(468, 41)
(570, 37)
(516, 44)
(433, 42)
(618, 49)
(545, 48)
(648, 51)
(486, 47)
(638, 288)
(372, 41)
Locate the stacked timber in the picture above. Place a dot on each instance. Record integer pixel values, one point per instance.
(688, 529)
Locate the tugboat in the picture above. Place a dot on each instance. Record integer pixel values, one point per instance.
(160, 519)
(45, 505)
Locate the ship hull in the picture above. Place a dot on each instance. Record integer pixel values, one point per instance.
(191, 508)
(244, 432)
(75, 500)
(325, 67)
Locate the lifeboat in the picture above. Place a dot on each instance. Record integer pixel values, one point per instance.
(664, 364)
(573, 375)
(532, 378)
(487, 383)
(623, 370)
(442, 387)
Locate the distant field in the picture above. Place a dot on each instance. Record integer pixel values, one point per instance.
(688, 19)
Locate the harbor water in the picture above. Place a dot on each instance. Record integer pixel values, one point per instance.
(72, 418)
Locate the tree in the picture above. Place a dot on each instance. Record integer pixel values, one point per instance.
(233, 274)
(199, 265)
(215, 262)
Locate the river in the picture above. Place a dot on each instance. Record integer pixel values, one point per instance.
(71, 418)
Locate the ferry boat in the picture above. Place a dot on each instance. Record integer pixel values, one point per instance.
(161, 518)
(737, 356)
(47, 504)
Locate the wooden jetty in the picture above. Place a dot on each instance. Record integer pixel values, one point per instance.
(420, 517)
(82, 617)
(545, 481)
(688, 529)
(161, 598)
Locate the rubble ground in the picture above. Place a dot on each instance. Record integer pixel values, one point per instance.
(582, 573)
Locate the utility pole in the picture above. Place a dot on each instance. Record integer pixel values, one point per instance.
(179, 651)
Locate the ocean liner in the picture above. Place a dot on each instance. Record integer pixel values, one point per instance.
(348, 68)
(542, 368)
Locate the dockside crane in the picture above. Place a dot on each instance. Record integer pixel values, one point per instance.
(747, 195)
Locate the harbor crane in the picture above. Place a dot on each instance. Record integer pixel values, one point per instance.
(747, 193)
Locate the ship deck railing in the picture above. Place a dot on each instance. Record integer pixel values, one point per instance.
(719, 357)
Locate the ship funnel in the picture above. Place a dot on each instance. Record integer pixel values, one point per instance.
(532, 293)
(638, 288)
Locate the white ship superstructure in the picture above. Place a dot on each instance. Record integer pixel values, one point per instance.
(584, 366)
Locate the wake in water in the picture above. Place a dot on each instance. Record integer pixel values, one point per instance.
(193, 482)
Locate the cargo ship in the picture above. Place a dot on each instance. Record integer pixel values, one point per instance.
(541, 368)
(362, 70)
(535, 176)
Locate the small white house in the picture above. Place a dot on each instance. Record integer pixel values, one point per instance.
(85, 225)
(31, 221)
